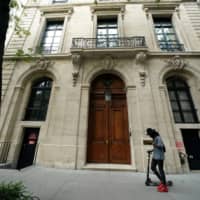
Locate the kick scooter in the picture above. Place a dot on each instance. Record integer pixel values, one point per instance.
(148, 181)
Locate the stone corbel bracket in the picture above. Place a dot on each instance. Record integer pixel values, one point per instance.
(141, 59)
(176, 62)
(76, 61)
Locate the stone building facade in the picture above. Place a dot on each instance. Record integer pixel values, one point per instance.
(106, 70)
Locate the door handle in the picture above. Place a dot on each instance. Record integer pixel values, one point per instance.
(106, 141)
(191, 156)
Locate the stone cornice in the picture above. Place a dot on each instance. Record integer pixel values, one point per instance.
(32, 57)
(106, 7)
(103, 51)
(56, 9)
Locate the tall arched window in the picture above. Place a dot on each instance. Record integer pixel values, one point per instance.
(181, 101)
(39, 100)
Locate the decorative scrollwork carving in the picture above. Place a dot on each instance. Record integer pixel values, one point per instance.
(42, 64)
(141, 58)
(176, 62)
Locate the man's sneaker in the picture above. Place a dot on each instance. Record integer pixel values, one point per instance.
(163, 189)
(160, 186)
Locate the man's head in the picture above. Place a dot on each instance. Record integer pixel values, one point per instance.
(151, 132)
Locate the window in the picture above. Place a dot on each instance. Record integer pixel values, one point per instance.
(52, 36)
(39, 100)
(181, 101)
(60, 1)
(166, 35)
(107, 32)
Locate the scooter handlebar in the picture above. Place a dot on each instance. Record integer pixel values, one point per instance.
(149, 151)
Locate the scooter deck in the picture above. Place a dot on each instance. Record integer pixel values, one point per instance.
(156, 183)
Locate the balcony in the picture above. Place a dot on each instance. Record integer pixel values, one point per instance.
(171, 46)
(112, 45)
(93, 43)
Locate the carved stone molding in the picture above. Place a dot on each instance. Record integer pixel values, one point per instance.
(75, 77)
(108, 62)
(176, 62)
(143, 76)
(76, 61)
(42, 64)
(141, 57)
(118, 8)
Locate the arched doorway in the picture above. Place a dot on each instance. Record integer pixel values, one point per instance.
(108, 135)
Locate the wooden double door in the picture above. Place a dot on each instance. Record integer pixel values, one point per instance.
(108, 135)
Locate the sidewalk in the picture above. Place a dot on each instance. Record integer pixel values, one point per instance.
(61, 184)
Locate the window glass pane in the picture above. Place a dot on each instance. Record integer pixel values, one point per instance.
(172, 95)
(161, 37)
(185, 105)
(179, 83)
(112, 31)
(102, 31)
(58, 33)
(170, 37)
(158, 30)
(182, 95)
(177, 117)
(174, 106)
(56, 40)
(188, 117)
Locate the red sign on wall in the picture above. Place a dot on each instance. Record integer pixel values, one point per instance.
(179, 144)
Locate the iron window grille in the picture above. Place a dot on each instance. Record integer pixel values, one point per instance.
(166, 35)
(181, 101)
(52, 35)
(39, 100)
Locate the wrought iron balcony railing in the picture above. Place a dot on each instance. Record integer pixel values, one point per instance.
(93, 43)
(171, 46)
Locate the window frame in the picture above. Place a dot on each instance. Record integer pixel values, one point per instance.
(107, 26)
(52, 44)
(173, 80)
(166, 42)
(33, 90)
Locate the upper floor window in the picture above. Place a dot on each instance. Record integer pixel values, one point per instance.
(181, 101)
(39, 100)
(60, 1)
(52, 35)
(166, 35)
(107, 32)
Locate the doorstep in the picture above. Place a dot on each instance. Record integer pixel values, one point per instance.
(110, 167)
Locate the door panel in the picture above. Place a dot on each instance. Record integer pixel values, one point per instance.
(119, 149)
(97, 146)
(108, 137)
(28, 148)
(191, 138)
